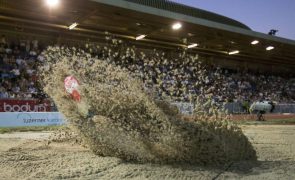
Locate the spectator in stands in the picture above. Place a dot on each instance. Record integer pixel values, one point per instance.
(3, 40)
(35, 44)
(16, 89)
(15, 71)
(3, 92)
(2, 49)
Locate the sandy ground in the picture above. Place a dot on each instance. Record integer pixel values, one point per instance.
(30, 156)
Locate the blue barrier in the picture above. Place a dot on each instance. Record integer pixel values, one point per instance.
(22, 119)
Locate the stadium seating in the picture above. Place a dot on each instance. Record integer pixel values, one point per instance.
(183, 78)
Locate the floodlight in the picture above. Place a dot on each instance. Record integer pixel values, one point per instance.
(140, 37)
(52, 3)
(176, 26)
(73, 26)
(234, 52)
(269, 48)
(254, 42)
(192, 45)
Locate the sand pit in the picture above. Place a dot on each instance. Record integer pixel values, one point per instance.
(23, 158)
(116, 117)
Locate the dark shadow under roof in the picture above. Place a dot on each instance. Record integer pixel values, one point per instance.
(190, 11)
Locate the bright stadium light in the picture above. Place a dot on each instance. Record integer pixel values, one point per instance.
(234, 52)
(254, 42)
(140, 37)
(270, 48)
(192, 45)
(52, 3)
(73, 26)
(176, 26)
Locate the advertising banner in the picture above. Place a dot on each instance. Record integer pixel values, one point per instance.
(14, 105)
(18, 119)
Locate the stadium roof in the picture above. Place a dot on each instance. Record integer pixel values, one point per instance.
(215, 35)
(190, 11)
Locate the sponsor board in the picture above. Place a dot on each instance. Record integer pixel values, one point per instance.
(13, 105)
(18, 119)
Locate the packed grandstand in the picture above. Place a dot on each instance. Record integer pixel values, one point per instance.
(181, 76)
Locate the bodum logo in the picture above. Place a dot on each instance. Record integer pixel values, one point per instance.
(24, 108)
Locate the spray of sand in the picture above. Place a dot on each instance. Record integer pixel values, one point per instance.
(116, 117)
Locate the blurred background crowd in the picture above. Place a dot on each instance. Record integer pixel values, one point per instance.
(179, 75)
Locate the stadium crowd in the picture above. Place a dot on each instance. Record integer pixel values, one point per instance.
(183, 77)
(18, 66)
